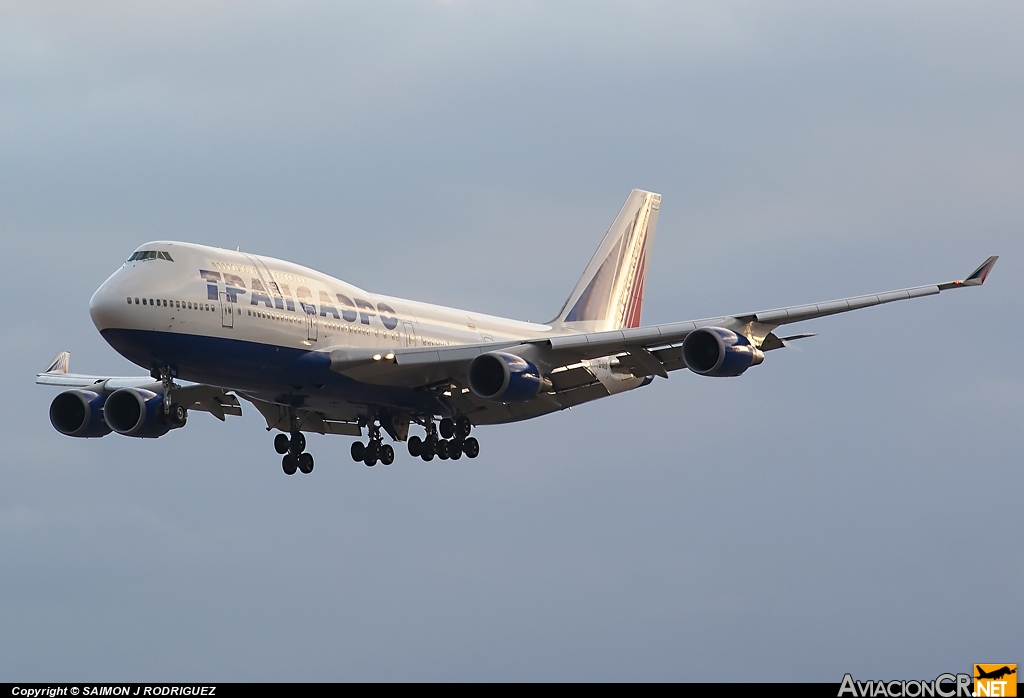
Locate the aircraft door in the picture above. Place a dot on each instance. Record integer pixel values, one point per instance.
(311, 327)
(410, 334)
(227, 311)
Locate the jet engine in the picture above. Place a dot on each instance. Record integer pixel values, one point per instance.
(79, 413)
(140, 413)
(718, 352)
(505, 377)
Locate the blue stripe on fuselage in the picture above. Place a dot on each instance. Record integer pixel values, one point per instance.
(281, 374)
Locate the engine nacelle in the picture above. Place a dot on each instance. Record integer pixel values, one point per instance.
(718, 352)
(504, 377)
(137, 412)
(79, 413)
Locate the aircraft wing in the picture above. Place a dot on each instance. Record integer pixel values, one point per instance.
(194, 396)
(647, 351)
(759, 326)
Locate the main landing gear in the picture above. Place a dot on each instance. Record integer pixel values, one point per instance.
(369, 453)
(454, 441)
(448, 439)
(293, 450)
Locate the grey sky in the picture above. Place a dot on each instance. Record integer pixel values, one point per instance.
(846, 506)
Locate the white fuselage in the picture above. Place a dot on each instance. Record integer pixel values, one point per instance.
(273, 302)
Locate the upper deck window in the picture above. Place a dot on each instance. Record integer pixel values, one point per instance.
(149, 254)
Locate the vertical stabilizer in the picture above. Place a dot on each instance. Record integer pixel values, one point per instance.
(610, 294)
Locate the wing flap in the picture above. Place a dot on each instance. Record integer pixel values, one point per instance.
(279, 417)
(569, 379)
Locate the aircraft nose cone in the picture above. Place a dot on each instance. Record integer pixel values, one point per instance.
(107, 306)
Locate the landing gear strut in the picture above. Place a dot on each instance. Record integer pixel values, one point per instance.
(174, 413)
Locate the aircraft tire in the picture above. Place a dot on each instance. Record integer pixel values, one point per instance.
(370, 460)
(179, 415)
(429, 446)
(305, 463)
(415, 446)
(447, 428)
(463, 427)
(442, 449)
(281, 443)
(387, 454)
(454, 450)
(298, 443)
(427, 456)
(471, 447)
(289, 464)
(372, 450)
(358, 451)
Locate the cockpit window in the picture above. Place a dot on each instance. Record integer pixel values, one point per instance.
(149, 254)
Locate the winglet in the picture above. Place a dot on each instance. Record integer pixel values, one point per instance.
(59, 363)
(977, 277)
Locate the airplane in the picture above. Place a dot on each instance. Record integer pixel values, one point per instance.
(315, 354)
(996, 674)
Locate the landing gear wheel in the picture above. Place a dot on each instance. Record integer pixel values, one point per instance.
(463, 427)
(427, 456)
(370, 458)
(298, 443)
(372, 450)
(415, 446)
(289, 464)
(305, 463)
(179, 415)
(447, 428)
(387, 454)
(281, 443)
(471, 447)
(358, 451)
(455, 450)
(429, 446)
(442, 449)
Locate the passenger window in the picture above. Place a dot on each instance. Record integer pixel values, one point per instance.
(136, 301)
